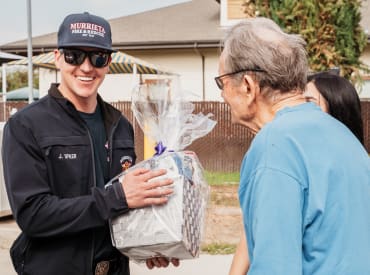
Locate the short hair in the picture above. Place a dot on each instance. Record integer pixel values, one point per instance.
(343, 101)
(260, 43)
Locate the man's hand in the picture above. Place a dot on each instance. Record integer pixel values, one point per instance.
(140, 192)
(161, 262)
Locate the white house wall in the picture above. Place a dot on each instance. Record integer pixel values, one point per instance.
(46, 77)
(188, 64)
(365, 56)
(116, 87)
(213, 93)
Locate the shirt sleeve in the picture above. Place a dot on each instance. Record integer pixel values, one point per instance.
(272, 203)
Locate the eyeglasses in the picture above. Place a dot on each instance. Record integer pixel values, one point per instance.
(219, 82)
(98, 59)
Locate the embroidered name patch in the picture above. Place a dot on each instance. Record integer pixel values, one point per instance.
(67, 156)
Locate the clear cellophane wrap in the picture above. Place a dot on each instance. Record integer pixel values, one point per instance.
(173, 230)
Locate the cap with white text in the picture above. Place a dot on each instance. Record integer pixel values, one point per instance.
(85, 30)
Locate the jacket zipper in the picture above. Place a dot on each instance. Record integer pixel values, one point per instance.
(110, 142)
(24, 255)
(110, 147)
(94, 185)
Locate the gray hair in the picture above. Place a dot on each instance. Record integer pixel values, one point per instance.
(260, 43)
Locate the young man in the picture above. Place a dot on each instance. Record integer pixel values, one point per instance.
(70, 144)
(305, 180)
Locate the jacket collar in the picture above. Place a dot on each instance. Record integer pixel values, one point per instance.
(111, 115)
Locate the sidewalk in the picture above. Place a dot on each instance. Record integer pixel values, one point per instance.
(205, 264)
(6, 266)
(8, 233)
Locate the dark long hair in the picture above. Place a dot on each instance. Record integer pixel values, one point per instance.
(343, 101)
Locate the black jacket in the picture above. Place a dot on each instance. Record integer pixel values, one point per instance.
(50, 180)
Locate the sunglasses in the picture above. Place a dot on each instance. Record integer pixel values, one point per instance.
(220, 84)
(98, 59)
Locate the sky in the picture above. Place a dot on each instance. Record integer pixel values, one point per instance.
(46, 15)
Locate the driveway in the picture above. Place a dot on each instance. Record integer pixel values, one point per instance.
(204, 265)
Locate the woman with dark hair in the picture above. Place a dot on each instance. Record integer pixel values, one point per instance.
(338, 97)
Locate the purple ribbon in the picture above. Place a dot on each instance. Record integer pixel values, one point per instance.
(159, 148)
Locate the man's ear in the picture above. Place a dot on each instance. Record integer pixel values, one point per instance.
(109, 62)
(57, 57)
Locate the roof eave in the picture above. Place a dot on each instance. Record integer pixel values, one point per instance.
(129, 46)
(167, 45)
(21, 49)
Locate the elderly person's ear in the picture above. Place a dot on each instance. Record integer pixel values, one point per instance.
(250, 86)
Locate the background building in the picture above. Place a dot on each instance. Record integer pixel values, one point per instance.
(185, 38)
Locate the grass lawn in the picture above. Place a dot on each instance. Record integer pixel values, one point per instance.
(219, 249)
(221, 178)
(223, 194)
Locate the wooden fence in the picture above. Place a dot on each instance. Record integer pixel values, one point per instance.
(365, 110)
(222, 149)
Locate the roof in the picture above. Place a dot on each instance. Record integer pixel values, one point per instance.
(196, 21)
(189, 24)
(184, 25)
(6, 57)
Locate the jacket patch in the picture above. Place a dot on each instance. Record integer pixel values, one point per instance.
(67, 156)
(126, 162)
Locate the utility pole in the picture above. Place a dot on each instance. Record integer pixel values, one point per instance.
(29, 52)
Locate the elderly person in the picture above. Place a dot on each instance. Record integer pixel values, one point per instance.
(305, 180)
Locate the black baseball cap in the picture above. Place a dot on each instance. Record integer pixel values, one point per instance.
(85, 30)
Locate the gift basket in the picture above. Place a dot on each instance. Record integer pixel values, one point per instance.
(172, 230)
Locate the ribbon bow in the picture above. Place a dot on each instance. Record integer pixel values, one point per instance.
(159, 149)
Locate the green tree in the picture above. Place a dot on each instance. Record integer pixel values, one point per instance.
(18, 79)
(330, 27)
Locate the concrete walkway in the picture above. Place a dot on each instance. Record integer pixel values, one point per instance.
(204, 265)
(8, 233)
(6, 266)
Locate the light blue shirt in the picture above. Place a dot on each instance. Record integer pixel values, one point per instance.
(305, 195)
